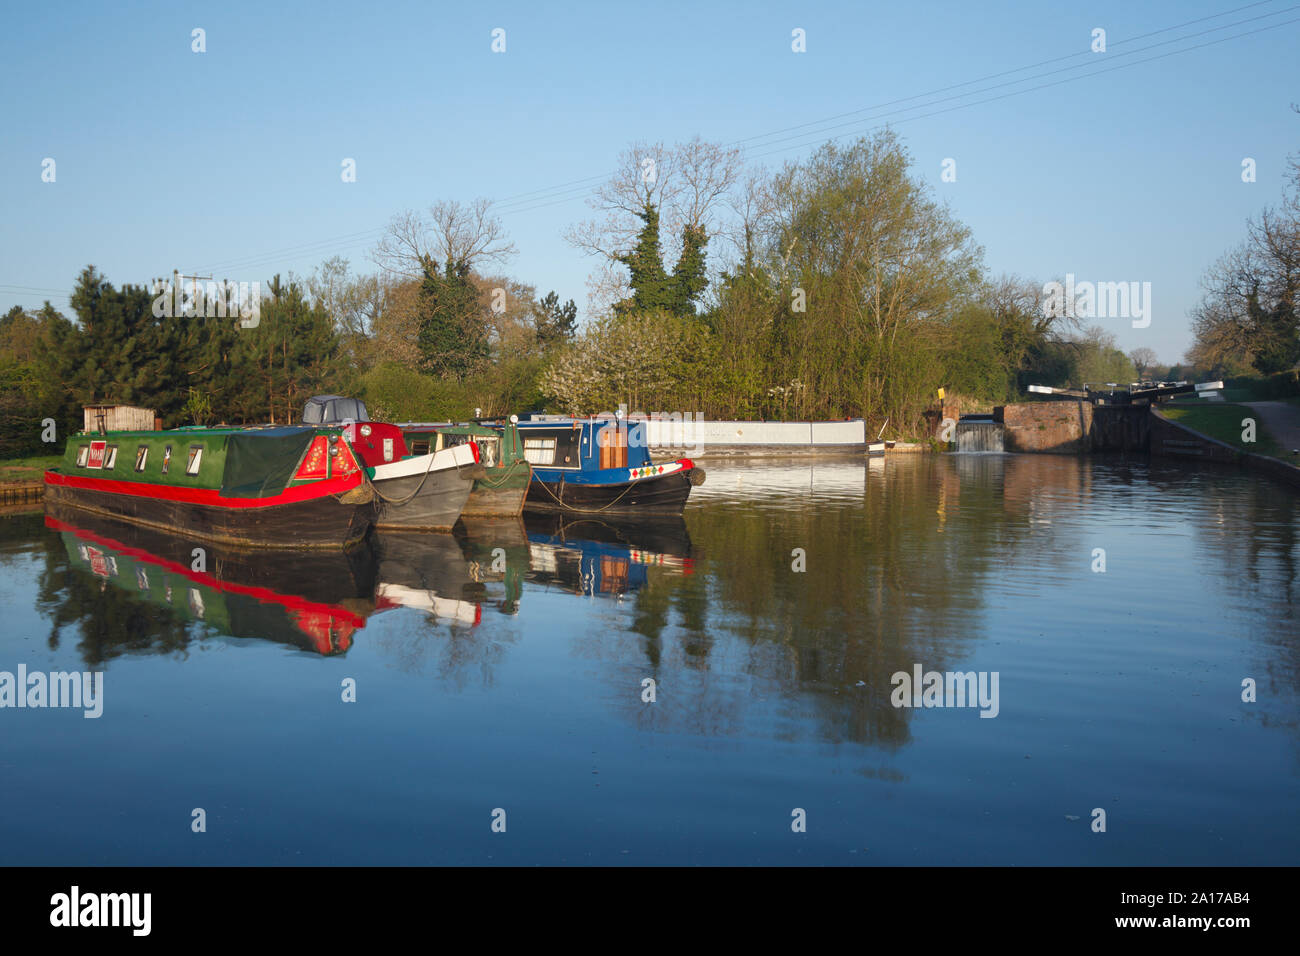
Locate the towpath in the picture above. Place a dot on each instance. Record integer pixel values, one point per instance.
(1282, 420)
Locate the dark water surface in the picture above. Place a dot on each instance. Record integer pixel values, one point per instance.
(503, 668)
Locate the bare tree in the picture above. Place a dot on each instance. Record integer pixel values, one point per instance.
(1144, 360)
(645, 177)
(751, 203)
(449, 232)
(707, 172)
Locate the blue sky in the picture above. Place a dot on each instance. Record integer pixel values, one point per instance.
(229, 160)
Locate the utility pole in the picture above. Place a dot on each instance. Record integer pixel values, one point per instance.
(196, 279)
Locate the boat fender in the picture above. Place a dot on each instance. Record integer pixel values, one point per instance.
(359, 495)
(697, 476)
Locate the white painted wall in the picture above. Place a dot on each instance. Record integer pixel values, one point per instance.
(661, 434)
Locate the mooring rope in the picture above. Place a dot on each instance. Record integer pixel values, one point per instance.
(595, 511)
(423, 478)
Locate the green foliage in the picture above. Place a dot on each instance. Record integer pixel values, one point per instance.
(452, 338)
(394, 392)
(1088, 358)
(653, 289)
(689, 275)
(1277, 344)
(1254, 388)
(198, 408)
(553, 323)
(646, 361)
(975, 361)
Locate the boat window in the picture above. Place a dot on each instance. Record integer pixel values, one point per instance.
(559, 448)
(110, 458)
(141, 456)
(311, 415)
(419, 448)
(196, 459)
(487, 451)
(167, 458)
(82, 452)
(540, 451)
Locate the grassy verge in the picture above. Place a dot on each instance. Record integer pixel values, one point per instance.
(27, 469)
(1223, 421)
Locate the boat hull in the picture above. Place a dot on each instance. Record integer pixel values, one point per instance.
(501, 493)
(427, 493)
(658, 496)
(321, 521)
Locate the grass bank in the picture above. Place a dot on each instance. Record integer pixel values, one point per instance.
(27, 469)
(1223, 421)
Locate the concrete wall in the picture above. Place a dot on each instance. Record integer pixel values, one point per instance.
(750, 438)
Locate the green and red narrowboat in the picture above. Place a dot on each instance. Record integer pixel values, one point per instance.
(285, 487)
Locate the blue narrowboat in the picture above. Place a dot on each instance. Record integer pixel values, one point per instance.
(600, 465)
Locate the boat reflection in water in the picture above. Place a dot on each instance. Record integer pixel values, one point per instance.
(604, 556)
(318, 600)
(452, 576)
(313, 600)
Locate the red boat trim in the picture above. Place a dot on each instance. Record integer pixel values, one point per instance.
(265, 595)
(205, 496)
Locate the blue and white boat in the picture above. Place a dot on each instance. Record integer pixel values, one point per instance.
(601, 466)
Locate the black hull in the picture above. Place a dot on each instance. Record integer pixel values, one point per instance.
(658, 496)
(324, 522)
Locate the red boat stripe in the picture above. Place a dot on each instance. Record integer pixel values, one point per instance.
(265, 595)
(205, 496)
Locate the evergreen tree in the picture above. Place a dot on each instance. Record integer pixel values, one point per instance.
(109, 358)
(653, 289)
(452, 337)
(689, 280)
(554, 323)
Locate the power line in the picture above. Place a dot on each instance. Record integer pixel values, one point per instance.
(544, 198)
(1105, 68)
(567, 192)
(1041, 86)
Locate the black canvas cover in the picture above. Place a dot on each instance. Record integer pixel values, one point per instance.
(333, 409)
(261, 463)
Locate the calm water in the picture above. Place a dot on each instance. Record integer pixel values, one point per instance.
(503, 668)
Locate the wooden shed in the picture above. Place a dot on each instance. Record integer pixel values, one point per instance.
(119, 418)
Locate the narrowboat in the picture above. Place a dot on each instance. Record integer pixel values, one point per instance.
(503, 487)
(269, 487)
(413, 492)
(601, 466)
(316, 601)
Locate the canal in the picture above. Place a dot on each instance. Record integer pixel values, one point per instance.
(720, 690)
